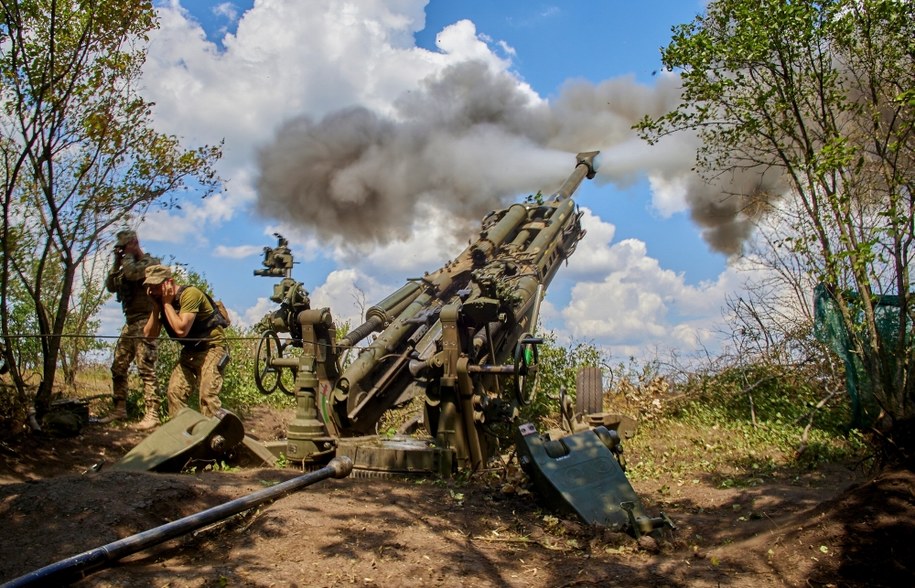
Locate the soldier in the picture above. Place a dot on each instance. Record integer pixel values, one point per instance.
(125, 279)
(191, 318)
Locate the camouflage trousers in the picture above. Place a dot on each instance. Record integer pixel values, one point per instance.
(200, 370)
(132, 346)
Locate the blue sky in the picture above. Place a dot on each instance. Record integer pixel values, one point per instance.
(271, 76)
(596, 41)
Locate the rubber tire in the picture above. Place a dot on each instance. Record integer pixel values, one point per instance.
(589, 391)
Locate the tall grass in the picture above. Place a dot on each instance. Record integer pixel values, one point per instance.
(743, 425)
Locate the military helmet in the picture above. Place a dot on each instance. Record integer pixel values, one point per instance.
(126, 236)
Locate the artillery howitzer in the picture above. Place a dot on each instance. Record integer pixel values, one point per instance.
(459, 341)
(462, 340)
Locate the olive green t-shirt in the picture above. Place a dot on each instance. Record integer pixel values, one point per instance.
(192, 299)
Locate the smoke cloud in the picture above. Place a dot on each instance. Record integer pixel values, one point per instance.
(470, 139)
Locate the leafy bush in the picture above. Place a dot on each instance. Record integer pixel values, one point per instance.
(743, 423)
(558, 367)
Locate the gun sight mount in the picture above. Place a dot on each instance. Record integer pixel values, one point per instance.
(278, 260)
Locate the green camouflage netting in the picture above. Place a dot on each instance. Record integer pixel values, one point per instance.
(830, 330)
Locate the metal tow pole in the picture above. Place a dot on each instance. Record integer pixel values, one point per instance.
(78, 566)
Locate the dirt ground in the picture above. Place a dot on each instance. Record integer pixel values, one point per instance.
(58, 498)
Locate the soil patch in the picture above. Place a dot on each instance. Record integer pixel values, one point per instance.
(832, 527)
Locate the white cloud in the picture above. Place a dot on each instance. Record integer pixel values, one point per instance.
(348, 293)
(111, 319)
(290, 58)
(668, 194)
(252, 315)
(226, 10)
(592, 256)
(162, 227)
(285, 59)
(237, 252)
(461, 41)
(624, 300)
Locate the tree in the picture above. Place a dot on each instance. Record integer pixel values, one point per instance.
(82, 324)
(818, 93)
(79, 153)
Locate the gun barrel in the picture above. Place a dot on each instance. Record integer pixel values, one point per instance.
(382, 313)
(546, 239)
(383, 345)
(583, 169)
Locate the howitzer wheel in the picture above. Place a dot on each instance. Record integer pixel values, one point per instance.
(285, 376)
(269, 376)
(266, 375)
(286, 380)
(526, 357)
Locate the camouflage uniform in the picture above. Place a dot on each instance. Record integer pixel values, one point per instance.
(200, 368)
(203, 349)
(126, 281)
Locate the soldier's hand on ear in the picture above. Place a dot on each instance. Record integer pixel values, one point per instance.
(168, 292)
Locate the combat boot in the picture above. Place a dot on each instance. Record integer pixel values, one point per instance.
(118, 413)
(150, 420)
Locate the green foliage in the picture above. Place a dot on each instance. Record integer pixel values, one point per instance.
(776, 401)
(239, 390)
(211, 466)
(21, 320)
(537, 198)
(557, 368)
(80, 156)
(742, 425)
(81, 324)
(816, 94)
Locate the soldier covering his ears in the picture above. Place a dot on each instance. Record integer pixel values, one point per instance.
(191, 318)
